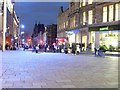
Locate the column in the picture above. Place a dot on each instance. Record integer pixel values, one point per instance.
(4, 24)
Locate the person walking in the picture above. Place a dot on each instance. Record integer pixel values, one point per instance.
(37, 48)
(95, 49)
(45, 47)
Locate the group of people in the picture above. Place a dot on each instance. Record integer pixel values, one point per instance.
(10, 47)
(53, 48)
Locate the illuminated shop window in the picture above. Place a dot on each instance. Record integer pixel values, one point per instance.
(90, 17)
(84, 18)
(105, 14)
(90, 1)
(111, 13)
(117, 12)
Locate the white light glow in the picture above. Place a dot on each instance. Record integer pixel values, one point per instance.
(22, 32)
(22, 26)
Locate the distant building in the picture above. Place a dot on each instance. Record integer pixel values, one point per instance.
(51, 34)
(37, 35)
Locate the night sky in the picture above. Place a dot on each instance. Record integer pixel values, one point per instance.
(43, 12)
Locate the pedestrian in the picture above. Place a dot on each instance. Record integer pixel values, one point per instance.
(34, 48)
(24, 47)
(45, 46)
(95, 49)
(37, 48)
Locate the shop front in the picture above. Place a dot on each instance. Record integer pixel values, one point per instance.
(73, 36)
(107, 36)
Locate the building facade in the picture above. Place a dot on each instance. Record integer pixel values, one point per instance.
(92, 24)
(12, 30)
(51, 34)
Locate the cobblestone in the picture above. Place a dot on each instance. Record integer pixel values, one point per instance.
(55, 70)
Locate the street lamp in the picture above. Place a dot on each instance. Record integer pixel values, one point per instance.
(21, 33)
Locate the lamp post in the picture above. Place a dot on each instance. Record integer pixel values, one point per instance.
(21, 33)
(4, 24)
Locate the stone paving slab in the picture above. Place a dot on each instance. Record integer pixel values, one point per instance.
(54, 70)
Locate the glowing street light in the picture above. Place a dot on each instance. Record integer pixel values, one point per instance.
(22, 26)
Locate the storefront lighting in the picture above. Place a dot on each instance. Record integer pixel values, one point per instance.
(70, 32)
(103, 28)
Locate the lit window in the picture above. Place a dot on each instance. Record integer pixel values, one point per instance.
(105, 14)
(111, 13)
(90, 1)
(90, 17)
(80, 4)
(84, 2)
(117, 12)
(84, 18)
(64, 25)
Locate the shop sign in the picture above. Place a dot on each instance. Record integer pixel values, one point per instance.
(110, 35)
(103, 28)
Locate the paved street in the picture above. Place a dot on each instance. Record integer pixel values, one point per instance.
(54, 70)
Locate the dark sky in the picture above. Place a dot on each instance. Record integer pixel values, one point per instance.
(43, 12)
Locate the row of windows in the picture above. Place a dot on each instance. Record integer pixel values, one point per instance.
(90, 17)
(108, 13)
(85, 2)
(63, 25)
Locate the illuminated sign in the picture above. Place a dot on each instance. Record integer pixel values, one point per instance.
(103, 28)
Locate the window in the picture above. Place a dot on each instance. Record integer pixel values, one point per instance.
(90, 17)
(117, 12)
(66, 23)
(80, 4)
(111, 13)
(72, 4)
(72, 22)
(105, 14)
(84, 18)
(84, 2)
(90, 1)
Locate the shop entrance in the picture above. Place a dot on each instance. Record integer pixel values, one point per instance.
(71, 39)
(92, 40)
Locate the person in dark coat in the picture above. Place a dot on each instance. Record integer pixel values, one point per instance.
(95, 49)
